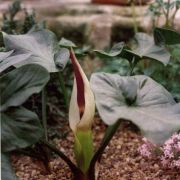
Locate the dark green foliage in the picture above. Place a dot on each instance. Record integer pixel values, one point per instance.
(9, 24)
(29, 21)
(18, 85)
(166, 75)
(7, 172)
(12, 26)
(20, 127)
(166, 36)
(145, 48)
(163, 8)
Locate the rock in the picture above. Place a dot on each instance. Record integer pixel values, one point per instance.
(68, 27)
(87, 23)
(99, 31)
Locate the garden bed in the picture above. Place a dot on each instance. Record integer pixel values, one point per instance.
(121, 160)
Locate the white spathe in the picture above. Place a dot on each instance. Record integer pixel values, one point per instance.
(85, 122)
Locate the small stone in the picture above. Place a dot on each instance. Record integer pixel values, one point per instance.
(33, 173)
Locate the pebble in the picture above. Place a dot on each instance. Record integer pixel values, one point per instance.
(120, 160)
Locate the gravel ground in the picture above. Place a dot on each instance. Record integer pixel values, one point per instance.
(121, 160)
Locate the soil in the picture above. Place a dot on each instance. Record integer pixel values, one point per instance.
(120, 161)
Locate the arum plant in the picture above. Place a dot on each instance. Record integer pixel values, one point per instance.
(166, 36)
(146, 48)
(37, 47)
(138, 99)
(81, 115)
(20, 127)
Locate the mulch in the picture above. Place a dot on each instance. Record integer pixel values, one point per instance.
(120, 161)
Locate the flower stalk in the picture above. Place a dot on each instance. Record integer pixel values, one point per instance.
(81, 115)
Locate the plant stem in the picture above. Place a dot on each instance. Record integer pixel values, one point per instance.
(44, 114)
(134, 16)
(132, 66)
(83, 149)
(111, 130)
(27, 153)
(64, 90)
(173, 16)
(71, 165)
(37, 155)
(82, 177)
(167, 15)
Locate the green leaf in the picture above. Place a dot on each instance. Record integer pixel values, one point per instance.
(19, 128)
(146, 48)
(61, 58)
(166, 36)
(41, 45)
(19, 84)
(66, 43)
(83, 149)
(138, 99)
(4, 55)
(80, 52)
(11, 60)
(175, 52)
(1, 40)
(113, 52)
(7, 172)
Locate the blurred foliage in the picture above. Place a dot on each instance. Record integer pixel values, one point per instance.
(13, 26)
(162, 8)
(168, 76)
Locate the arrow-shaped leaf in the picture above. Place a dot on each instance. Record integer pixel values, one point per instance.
(138, 99)
(42, 46)
(166, 36)
(21, 83)
(113, 52)
(146, 48)
(19, 128)
(7, 172)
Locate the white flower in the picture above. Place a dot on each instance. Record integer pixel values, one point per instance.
(82, 104)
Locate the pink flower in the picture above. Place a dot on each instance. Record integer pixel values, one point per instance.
(147, 148)
(168, 154)
(171, 147)
(145, 151)
(176, 163)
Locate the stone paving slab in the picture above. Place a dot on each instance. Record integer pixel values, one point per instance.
(84, 22)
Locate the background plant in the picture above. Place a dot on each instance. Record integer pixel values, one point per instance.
(161, 8)
(12, 26)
